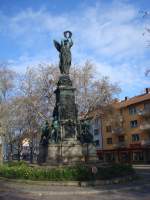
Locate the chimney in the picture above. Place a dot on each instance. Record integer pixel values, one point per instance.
(126, 98)
(147, 90)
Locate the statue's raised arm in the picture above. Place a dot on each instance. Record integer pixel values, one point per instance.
(65, 53)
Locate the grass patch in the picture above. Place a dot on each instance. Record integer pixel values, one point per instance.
(21, 170)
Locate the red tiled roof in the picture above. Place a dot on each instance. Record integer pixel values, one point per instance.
(118, 104)
(133, 100)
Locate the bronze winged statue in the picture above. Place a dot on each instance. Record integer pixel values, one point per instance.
(64, 52)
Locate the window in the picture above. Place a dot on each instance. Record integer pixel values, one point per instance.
(133, 124)
(108, 128)
(109, 140)
(147, 106)
(97, 142)
(121, 138)
(132, 110)
(96, 123)
(109, 157)
(137, 156)
(121, 111)
(135, 137)
(96, 131)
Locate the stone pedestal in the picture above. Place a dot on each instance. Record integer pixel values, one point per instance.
(65, 111)
(71, 151)
(65, 153)
(67, 149)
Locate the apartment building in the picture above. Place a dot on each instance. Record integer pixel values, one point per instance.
(126, 131)
(94, 119)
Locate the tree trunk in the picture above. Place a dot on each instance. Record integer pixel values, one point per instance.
(18, 154)
(10, 155)
(31, 153)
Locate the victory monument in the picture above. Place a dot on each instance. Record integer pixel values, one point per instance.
(65, 111)
(63, 142)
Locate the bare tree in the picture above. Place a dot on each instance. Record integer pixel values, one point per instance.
(93, 91)
(7, 84)
(7, 77)
(23, 113)
(37, 89)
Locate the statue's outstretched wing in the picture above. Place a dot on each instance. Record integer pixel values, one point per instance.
(57, 45)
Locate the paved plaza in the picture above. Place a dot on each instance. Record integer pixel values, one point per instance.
(137, 190)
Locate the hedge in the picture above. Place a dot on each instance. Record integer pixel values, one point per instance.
(75, 173)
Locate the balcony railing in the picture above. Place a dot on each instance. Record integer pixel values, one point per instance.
(145, 112)
(118, 131)
(145, 126)
(120, 145)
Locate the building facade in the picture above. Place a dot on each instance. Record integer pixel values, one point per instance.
(126, 131)
(96, 130)
(94, 120)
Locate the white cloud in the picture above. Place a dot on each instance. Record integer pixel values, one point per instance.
(110, 35)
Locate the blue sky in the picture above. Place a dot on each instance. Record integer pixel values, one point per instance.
(108, 33)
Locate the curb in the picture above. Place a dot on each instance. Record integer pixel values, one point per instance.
(108, 182)
(74, 183)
